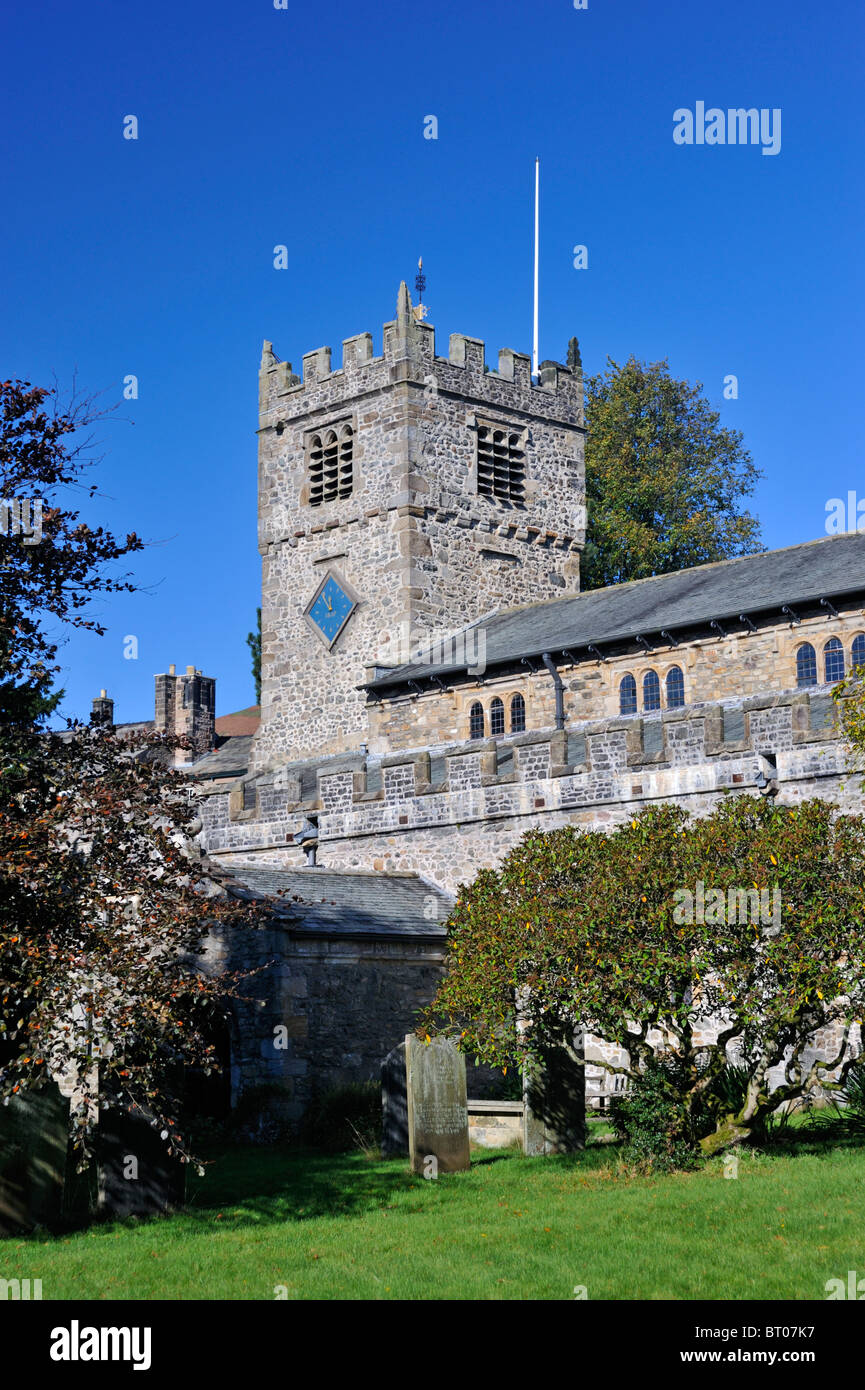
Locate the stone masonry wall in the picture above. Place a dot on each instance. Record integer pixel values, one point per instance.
(419, 546)
(712, 669)
(447, 812)
(325, 1012)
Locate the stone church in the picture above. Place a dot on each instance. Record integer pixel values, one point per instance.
(434, 683)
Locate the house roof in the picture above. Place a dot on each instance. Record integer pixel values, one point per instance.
(230, 759)
(242, 721)
(753, 584)
(351, 902)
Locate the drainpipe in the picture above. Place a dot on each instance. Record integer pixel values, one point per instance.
(560, 689)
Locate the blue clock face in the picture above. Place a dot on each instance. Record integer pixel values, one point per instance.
(331, 610)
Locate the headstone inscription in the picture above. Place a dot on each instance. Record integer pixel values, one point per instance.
(438, 1121)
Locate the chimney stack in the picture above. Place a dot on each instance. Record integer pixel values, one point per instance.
(102, 710)
(186, 706)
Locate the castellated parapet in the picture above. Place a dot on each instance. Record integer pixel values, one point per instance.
(448, 811)
(434, 491)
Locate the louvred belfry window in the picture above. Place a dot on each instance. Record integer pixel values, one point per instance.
(502, 463)
(331, 464)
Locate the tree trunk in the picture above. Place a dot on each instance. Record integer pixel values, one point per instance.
(731, 1131)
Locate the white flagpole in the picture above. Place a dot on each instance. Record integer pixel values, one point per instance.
(535, 338)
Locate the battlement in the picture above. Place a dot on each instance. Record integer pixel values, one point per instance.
(595, 771)
(409, 353)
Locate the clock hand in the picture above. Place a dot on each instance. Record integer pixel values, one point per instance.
(329, 605)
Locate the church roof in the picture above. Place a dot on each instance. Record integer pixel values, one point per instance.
(349, 902)
(685, 600)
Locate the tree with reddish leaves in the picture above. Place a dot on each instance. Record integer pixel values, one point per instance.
(105, 904)
(105, 901)
(46, 453)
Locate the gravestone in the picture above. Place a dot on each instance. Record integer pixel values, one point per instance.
(137, 1175)
(33, 1143)
(438, 1119)
(394, 1105)
(554, 1115)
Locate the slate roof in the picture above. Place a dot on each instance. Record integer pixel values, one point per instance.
(353, 903)
(752, 584)
(230, 759)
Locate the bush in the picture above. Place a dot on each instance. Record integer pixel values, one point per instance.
(846, 1115)
(653, 1123)
(731, 1088)
(345, 1117)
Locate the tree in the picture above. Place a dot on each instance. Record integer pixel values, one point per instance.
(684, 937)
(664, 479)
(849, 697)
(43, 453)
(105, 904)
(254, 643)
(104, 900)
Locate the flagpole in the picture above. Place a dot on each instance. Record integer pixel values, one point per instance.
(535, 337)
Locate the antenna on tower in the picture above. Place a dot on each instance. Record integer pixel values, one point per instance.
(535, 334)
(421, 309)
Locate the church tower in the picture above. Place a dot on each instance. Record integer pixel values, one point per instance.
(402, 496)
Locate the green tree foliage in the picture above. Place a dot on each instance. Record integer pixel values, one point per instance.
(253, 641)
(593, 927)
(664, 478)
(849, 697)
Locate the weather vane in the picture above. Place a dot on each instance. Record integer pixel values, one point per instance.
(421, 309)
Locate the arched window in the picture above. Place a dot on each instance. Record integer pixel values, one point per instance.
(857, 653)
(497, 717)
(476, 720)
(628, 695)
(833, 660)
(806, 665)
(675, 688)
(651, 691)
(518, 715)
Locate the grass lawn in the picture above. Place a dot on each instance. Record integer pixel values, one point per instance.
(351, 1227)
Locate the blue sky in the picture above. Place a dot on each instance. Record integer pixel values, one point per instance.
(304, 127)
